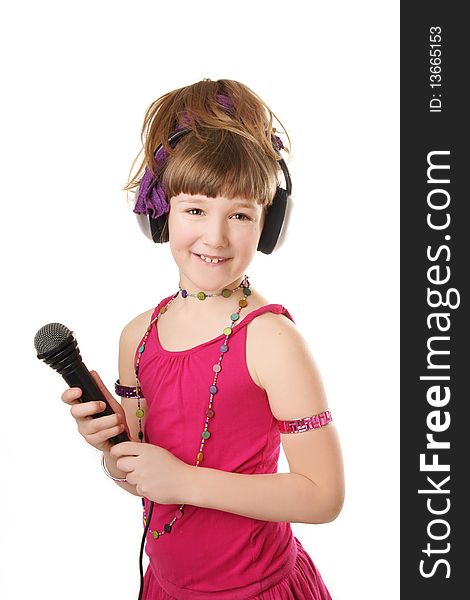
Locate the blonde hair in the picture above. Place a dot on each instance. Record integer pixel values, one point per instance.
(228, 150)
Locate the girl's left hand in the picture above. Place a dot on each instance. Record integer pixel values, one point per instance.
(157, 474)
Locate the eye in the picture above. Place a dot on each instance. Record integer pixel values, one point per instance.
(191, 211)
(243, 217)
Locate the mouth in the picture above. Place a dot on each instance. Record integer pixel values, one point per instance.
(211, 260)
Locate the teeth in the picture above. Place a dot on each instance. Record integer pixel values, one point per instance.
(211, 260)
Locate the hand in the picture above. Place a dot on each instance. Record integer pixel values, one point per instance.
(156, 473)
(98, 430)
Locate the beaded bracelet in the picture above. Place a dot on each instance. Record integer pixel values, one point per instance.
(126, 391)
(118, 479)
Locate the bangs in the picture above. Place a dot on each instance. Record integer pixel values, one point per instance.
(215, 162)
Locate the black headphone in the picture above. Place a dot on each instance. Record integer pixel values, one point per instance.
(276, 218)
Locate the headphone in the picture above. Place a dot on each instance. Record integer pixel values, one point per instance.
(276, 218)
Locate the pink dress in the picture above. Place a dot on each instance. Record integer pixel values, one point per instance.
(211, 553)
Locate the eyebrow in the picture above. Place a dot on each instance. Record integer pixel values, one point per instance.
(238, 203)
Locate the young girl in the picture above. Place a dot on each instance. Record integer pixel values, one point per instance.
(216, 376)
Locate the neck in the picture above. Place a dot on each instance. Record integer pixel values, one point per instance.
(193, 307)
(193, 287)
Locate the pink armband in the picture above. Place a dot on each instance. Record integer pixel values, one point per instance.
(305, 424)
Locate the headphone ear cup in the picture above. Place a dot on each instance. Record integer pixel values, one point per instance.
(144, 225)
(273, 222)
(159, 229)
(285, 224)
(153, 229)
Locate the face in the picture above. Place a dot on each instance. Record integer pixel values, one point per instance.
(203, 229)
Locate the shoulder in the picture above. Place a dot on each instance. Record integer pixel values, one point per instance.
(136, 326)
(285, 367)
(262, 331)
(131, 335)
(272, 330)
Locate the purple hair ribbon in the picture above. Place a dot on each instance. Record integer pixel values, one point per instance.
(225, 102)
(151, 196)
(277, 142)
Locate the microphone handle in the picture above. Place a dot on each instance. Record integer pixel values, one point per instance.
(81, 377)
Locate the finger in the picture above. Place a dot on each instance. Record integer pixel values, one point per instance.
(126, 464)
(102, 436)
(126, 449)
(113, 403)
(71, 395)
(86, 409)
(92, 426)
(131, 477)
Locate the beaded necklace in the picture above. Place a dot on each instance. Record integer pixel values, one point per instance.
(202, 295)
(213, 389)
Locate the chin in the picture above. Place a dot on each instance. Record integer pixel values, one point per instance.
(212, 278)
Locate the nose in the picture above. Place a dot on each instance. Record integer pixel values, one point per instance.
(215, 233)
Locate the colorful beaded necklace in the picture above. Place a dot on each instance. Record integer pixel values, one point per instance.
(213, 389)
(202, 295)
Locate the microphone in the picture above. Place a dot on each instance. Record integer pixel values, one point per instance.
(56, 345)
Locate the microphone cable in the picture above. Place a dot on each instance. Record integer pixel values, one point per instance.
(142, 548)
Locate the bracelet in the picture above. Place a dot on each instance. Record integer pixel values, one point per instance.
(103, 464)
(126, 391)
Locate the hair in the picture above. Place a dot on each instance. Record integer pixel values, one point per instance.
(228, 151)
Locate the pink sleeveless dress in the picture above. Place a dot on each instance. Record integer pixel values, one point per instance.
(212, 554)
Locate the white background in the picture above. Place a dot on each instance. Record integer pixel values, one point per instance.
(77, 79)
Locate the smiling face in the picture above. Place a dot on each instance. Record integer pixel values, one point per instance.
(203, 229)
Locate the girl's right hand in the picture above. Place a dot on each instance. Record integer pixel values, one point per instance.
(96, 431)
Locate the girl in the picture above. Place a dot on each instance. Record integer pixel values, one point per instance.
(215, 376)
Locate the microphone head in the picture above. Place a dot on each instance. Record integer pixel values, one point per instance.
(51, 336)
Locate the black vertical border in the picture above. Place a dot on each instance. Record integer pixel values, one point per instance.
(422, 132)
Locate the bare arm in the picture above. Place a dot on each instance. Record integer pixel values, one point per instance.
(279, 497)
(131, 336)
(313, 491)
